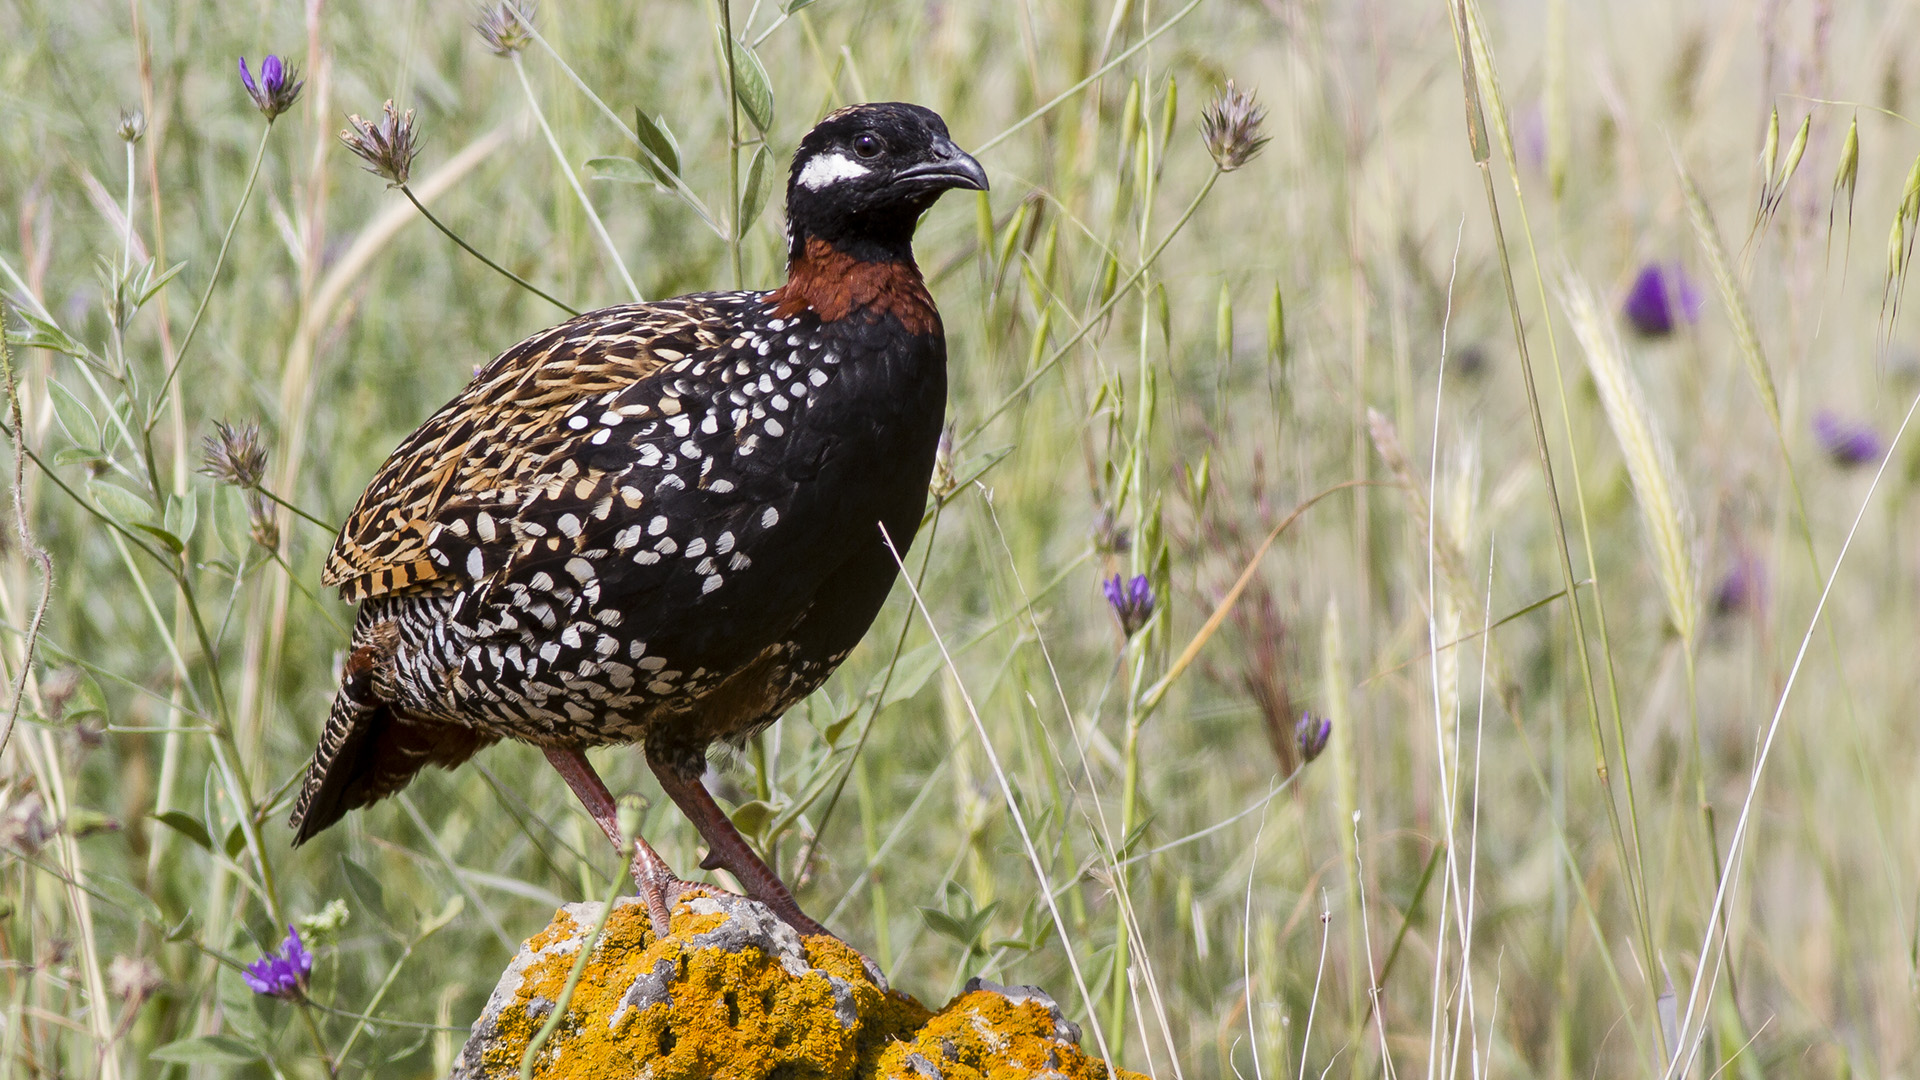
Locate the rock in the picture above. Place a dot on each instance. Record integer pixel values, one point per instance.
(733, 993)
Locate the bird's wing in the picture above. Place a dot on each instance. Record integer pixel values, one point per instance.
(446, 507)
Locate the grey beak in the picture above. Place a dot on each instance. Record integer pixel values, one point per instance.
(952, 167)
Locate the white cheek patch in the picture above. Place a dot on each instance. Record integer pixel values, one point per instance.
(830, 169)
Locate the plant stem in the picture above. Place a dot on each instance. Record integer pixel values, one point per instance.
(220, 260)
(593, 216)
(573, 975)
(469, 249)
(733, 145)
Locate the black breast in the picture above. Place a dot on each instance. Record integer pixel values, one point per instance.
(721, 515)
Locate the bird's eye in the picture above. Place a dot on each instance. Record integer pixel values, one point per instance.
(868, 145)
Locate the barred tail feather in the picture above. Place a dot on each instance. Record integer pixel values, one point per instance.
(370, 750)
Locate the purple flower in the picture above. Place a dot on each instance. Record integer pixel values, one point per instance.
(1311, 735)
(1743, 587)
(1847, 442)
(281, 974)
(1132, 601)
(1661, 296)
(278, 88)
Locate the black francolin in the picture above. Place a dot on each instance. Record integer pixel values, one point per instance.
(658, 523)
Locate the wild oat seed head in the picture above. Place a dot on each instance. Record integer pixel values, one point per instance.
(386, 145)
(506, 27)
(133, 125)
(279, 86)
(233, 455)
(1230, 126)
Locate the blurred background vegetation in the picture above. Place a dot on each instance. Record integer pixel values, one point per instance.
(1508, 859)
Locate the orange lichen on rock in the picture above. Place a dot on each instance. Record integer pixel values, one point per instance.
(732, 993)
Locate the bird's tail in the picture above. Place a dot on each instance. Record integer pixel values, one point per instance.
(370, 750)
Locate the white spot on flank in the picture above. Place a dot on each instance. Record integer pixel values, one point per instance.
(476, 564)
(827, 169)
(769, 518)
(712, 583)
(581, 569)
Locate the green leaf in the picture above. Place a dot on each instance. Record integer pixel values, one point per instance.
(660, 152)
(207, 1050)
(230, 521)
(752, 817)
(619, 170)
(126, 897)
(832, 732)
(236, 841)
(42, 334)
(794, 6)
(911, 673)
(186, 825)
(752, 87)
(945, 925)
(74, 455)
(118, 503)
(367, 889)
(157, 284)
(759, 180)
(449, 912)
(171, 541)
(75, 418)
(183, 513)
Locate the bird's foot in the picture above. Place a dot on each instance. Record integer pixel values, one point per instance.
(660, 890)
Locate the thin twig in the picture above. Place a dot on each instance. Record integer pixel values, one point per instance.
(469, 249)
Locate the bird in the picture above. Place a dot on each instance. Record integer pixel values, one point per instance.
(658, 523)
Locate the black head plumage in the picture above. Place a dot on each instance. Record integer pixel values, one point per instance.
(864, 175)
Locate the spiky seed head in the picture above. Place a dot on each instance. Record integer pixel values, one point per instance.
(278, 88)
(507, 27)
(132, 978)
(233, 454)
(386, 145)
(1230, 126)
(133, 125)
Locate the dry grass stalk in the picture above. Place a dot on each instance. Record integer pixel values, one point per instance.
(1656, 481)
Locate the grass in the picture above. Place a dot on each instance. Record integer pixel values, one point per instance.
(1587, 809)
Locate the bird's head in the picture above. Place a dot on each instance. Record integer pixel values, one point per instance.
(864, 175)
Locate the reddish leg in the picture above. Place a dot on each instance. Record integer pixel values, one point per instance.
(658, 884)
(730, 850)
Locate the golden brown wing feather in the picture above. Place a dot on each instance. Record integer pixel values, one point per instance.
(504, 438)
